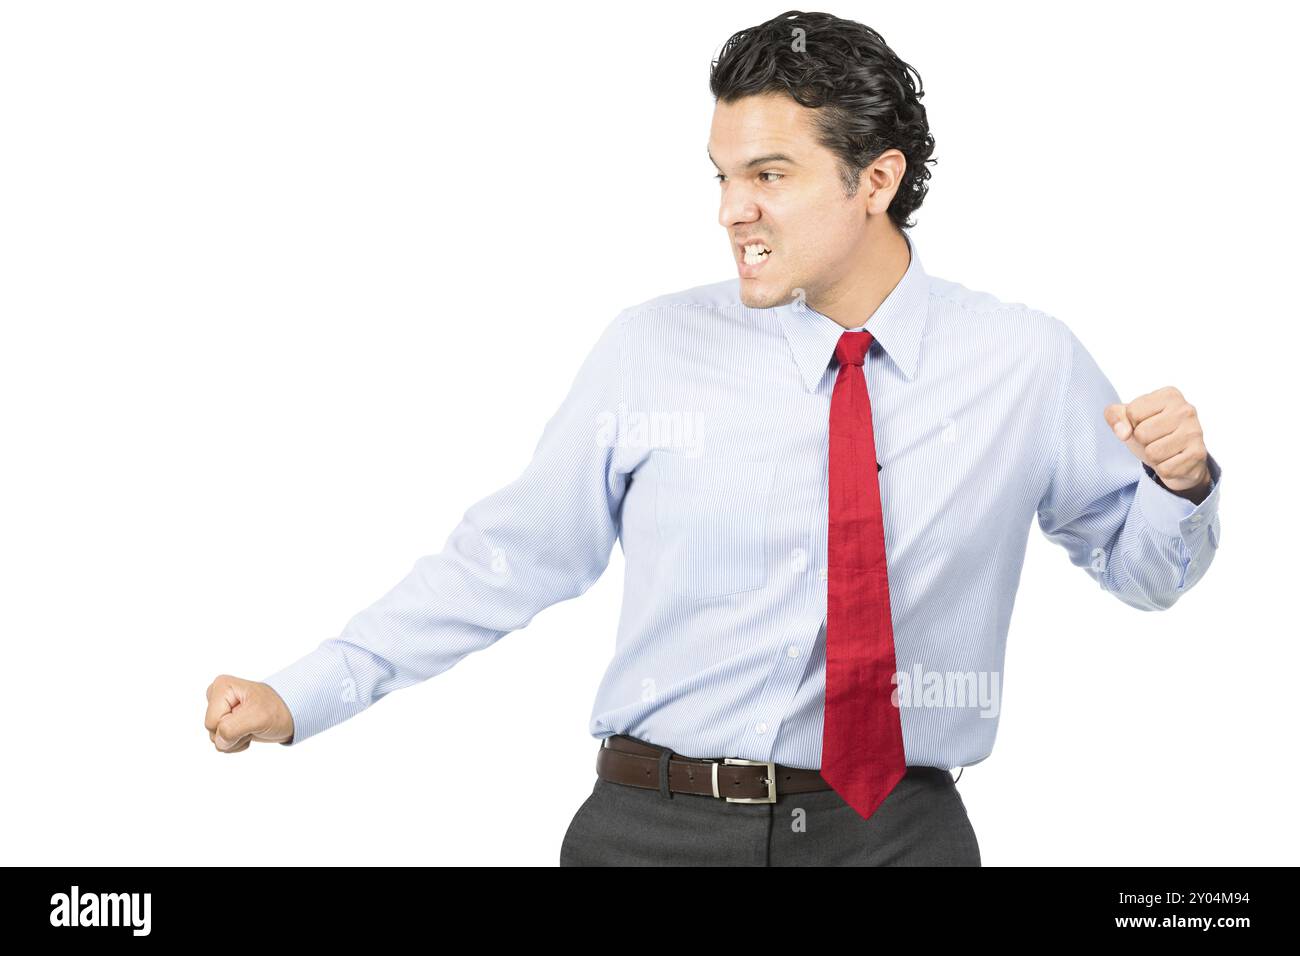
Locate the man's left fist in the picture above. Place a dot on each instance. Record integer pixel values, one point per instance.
(1162, 430)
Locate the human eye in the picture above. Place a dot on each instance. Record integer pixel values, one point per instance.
(721, 178)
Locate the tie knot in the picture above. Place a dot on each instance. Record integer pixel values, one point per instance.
(852, 347)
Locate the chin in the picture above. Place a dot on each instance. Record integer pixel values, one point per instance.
(760, 298)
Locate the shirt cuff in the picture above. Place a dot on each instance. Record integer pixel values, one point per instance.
(319, 691)
(1171, 514)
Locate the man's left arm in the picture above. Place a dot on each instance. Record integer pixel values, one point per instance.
(1133, 494)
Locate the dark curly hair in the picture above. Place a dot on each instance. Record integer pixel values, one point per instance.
(864, 94)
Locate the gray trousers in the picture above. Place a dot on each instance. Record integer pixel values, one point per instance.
(922, 822)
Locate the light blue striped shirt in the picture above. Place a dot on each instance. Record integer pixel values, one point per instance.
(696, 435)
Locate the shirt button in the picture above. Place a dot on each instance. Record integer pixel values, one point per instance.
(792, 651)
(1196, 519)
(822, 574)
(1192, 565)
(760, 728)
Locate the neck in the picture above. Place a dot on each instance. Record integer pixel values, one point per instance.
(882, 259)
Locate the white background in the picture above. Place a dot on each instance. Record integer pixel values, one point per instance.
(285, 287)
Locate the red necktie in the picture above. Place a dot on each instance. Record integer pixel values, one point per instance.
(862, 738)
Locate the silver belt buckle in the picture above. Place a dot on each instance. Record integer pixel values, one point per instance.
(771, 780)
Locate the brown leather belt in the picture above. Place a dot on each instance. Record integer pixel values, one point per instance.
(636, 763)
(639, 763)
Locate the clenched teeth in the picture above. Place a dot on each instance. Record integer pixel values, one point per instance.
(754, 254)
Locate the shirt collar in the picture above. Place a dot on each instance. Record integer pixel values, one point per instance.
(897, 324)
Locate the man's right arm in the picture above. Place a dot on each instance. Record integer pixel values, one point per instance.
(544, 538)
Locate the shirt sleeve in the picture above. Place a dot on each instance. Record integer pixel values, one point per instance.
(544, 538)
(1134, 537)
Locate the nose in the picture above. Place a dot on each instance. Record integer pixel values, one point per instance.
(737, 207)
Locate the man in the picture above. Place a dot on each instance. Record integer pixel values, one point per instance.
(823, 475)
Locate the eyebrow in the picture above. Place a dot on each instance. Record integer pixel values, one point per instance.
(756, 161)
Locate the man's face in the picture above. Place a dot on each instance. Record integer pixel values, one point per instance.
(782, 189)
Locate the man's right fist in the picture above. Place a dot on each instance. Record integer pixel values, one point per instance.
(241, 711)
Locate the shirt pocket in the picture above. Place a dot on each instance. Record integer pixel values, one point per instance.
(712, 516)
